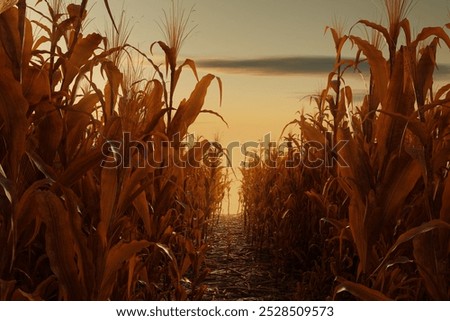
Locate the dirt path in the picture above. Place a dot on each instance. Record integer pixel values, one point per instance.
(238, 272)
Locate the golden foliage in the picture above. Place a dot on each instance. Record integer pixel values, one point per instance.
(82, 218)
(380, 224)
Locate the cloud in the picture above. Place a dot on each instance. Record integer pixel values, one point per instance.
(272, 65)
(287, 65)
(442, 73)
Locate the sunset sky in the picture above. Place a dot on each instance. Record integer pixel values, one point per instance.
(269, 54)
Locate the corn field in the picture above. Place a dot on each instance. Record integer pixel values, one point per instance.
(96, 204)
(373, 222)
(103, 196)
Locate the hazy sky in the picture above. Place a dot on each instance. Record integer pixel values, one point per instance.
(268, 53)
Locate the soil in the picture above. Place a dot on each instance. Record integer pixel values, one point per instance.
(239, 271)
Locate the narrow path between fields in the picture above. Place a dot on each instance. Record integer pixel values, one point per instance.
(238, 271)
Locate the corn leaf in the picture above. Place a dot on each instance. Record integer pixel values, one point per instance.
(424, 74)
(77, 119)
(170, 55)
(187, 62)
(153, 102)
(82, 52)
(189, 109)
(13, 109)
(36, 85)
(117, 255)
(140, 203)
(432, 31)
(380, 29)
(360, 291)
(49, 131)
(60, 244)
(108, 197)
(411, 234)
(112, 86)
(16, 48)
(400, 99)
(78, 167)
(401, 177)
(378, 66)
(430, 265)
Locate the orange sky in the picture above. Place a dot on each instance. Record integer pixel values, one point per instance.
(246, 44)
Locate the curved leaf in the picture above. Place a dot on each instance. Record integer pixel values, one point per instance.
(432, 31)
(378, 66)
(79, 166)
(411, 234)
(77, 119)
(360, 291)
(82, 52)
(378, 28)
(169, 54)
(117, 255)
(207, 111)
(189, 109)
(59, 243)
(187, 62)
(114, 76)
